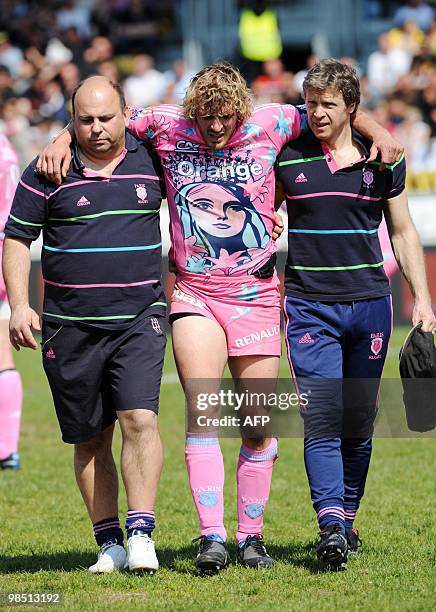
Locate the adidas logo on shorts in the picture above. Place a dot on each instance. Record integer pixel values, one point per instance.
(306, 339)
(50, 354)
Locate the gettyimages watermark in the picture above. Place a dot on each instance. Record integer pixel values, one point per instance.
(314, 407)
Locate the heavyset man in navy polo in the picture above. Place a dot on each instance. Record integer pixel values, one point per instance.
(338, 305)
(102, 342)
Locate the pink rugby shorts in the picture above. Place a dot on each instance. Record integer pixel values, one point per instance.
(248, 309)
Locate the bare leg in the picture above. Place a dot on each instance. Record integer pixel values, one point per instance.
(96, 475)
(256, 368)
(141, 457)
(200, 351)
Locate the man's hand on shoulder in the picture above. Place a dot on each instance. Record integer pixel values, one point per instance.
(391, 151)
(55, 158)
(23, 319)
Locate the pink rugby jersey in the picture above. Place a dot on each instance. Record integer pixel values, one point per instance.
(9, 176)
(221, 203)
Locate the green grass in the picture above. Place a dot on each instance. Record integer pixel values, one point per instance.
(46, 539)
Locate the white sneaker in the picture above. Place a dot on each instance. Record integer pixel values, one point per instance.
(110, 558)
(141, 555)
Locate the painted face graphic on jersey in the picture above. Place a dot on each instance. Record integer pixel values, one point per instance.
(220, 226)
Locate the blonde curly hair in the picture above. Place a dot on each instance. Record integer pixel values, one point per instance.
(215, 87)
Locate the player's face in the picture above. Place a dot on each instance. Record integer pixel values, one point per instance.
(216, 210)
(327, 113)
(217, 130)
(99, 122)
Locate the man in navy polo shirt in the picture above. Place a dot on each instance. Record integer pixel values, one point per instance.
(338, 304)
(102, 342)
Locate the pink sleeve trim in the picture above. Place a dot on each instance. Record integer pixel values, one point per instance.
(29, 188)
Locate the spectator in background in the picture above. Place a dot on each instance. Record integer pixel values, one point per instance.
(75, 43)
(385, 66)
(146, 85)
(6, 83)
(57, 53)
(73, 15)
(100, 50)
(427, 102)
(110, 70)
(177, 79)
(259, 36)
(301, 74)
(275, 84)
(23, 83)
(10, 56)
(407, 37)
(69, 75)
(53, 103)
(418, 11)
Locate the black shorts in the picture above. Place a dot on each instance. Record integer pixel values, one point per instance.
(93, 373)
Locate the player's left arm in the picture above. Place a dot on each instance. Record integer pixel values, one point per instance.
(390, 150)
(410, 257)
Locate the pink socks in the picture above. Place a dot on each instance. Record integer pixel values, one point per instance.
(253, 478)
(11, 396)
(204, 462)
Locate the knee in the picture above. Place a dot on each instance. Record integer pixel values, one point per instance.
(137, 423)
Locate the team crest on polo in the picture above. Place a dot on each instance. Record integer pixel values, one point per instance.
(141, 192)
(254, 510)
(368, 177)
(376, 345)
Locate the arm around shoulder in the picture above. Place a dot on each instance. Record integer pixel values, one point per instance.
(390, 150)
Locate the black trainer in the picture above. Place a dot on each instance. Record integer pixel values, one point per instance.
(353, 540)
(332, 549)
(10, 463)
(253, 553)
(212, 555)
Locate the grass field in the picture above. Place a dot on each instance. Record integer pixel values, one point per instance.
(46, 539)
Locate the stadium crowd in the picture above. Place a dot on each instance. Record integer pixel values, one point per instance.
(39, 68)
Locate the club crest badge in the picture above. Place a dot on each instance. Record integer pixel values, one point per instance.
(141, 192)
(368, 177)
(208, 499)
(254, 510)
(376, 345)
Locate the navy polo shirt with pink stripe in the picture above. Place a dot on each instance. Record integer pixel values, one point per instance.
(334, 252)
(101, 256)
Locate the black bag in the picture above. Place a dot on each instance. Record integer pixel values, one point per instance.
(418, 375)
